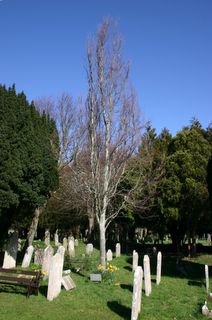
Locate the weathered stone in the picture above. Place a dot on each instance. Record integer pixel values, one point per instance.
(207, 277)
(47, 238)
(68, 283)
(56, 238)
(147, 276)
(135, 260)
(89, 249)
(65, 243)
(159, 266)
(55, 274)
(109, 255)
(71, 248)
(47, 256)
(10, 254)
(76, 242)
(118, 250)
(137, 293)
(96, 277)
(27, 257)
(38, 256)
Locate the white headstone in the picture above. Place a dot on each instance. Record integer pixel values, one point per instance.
(27, 257)
(68, 283)
(76, 242)
(65, 243)
(135, 260)
(109, 255)
(137, 292)
(55, 274)
(118, 250)
(56, 238)
(89, 249)
(10, 254)
(159, 265)
(207, 278)
(71, 248)
(47, 256)
(47, 238)
(38, 256)
(147, 276)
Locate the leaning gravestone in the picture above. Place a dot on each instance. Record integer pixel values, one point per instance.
(135, 260)
(47, 238)
(27, 257)
(109, 255)
(10, 254)
(38, 256)
(118, 250)
(137, 291)
(159, 265)
(207, 278)
(71, 248)
(47, 256)
(147, 276)
(55, 274)
(68, 283)
(89, 249)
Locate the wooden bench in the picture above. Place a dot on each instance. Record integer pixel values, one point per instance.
(29, 279)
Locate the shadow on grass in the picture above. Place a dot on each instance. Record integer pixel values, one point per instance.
(128, 268)
(13, 289)
(43, 290)
(196, 283)
(127, 286)
(119, 309)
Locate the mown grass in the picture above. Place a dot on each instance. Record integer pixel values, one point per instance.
(180, 295)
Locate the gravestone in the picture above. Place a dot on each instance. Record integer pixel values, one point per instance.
(27, 257)
(10, 254)
(159, 266)
(207, 278)
(38, 256)
(47, 238)
(71, 248)
(135, 260)
(89, 249)
(55, 274)
(76, 242)
(137, 291)
(65, 243)
(147, 276)
(47, 256)
(68, 283)
(109, 255)
(118, 250)
(56, 238)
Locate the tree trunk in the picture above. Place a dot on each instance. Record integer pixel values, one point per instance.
(102, 244)
(33, 227)
(90, 222)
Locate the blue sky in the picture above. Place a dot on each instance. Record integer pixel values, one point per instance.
(168, 43)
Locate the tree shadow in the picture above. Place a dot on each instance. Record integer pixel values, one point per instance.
(43, 290)
(119, 309)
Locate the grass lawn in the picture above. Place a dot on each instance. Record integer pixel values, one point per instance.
(180, 295)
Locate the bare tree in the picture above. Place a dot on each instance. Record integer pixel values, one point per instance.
(112, 127)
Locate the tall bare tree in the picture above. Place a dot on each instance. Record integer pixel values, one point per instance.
(112, 127)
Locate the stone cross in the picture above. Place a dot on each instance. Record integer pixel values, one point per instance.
(207, 278)
(71, 248)
(89, 249)
(147, 276)
(137, 291)
(159, 265)
(38, 256)
(47, 237)
(10, 254)
(55, 274)
(47, 255)
(118, 250)
(109, 255)
(65, 243)
(27, 257)
(135, 260)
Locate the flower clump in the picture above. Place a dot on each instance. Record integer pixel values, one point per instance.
(109, 268)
